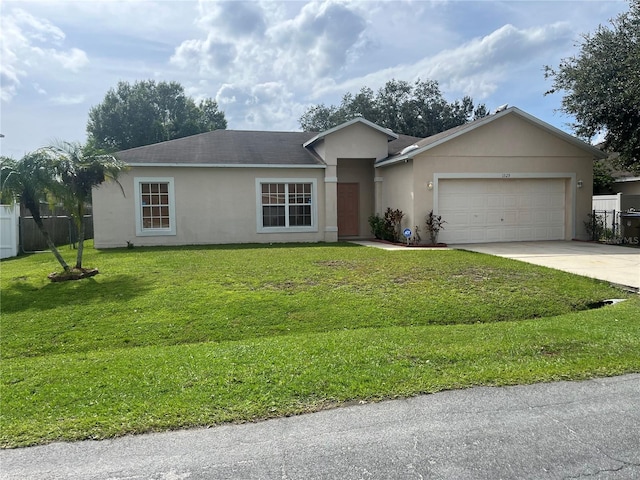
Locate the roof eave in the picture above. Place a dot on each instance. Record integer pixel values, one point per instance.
(224, 165)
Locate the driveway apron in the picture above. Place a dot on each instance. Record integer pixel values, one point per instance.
(615, 264)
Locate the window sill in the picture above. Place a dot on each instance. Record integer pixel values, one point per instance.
(288, 230)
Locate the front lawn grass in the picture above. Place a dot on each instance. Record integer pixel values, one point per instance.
(175, 337)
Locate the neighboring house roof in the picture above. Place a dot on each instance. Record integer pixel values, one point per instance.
(227, 148)
(390, 135)
(611, 164)
(627, 179)
(438, 139)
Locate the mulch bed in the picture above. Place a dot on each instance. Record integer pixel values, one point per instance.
(73, 274)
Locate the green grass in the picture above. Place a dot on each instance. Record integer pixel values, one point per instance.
(175, 337)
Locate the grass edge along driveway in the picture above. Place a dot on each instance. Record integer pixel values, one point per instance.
(80, 362)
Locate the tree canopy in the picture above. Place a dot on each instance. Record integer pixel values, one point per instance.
(601, 86)
(417, 109)
(148, 112)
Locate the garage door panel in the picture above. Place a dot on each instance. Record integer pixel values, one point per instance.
(493, 210)
(510, 218)
(493, 201)
(525, 233)
(556, 217)
(539, 201)
(493, 218)
(511, 201)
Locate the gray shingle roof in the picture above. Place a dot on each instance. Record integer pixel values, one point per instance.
(236, 148)
(227, 147)
(403, 141)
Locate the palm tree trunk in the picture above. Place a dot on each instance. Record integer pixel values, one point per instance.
(81, 232)
(50, 243)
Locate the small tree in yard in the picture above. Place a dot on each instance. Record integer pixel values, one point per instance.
(434, 225)
(77, 170)
(65, 173)
(30, 179)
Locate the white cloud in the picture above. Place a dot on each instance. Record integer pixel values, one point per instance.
(73, 59)
(32, 44)
(39, 89)
(38, 29)
(254, 106)
(65, 99)
(475, 68)
(244, 39)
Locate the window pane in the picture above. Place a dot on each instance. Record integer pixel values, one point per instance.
(300, 215)
(273, 216)
(157, 195)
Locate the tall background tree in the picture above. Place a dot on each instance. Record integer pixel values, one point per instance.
(601, 86)
(417, 109)
(146, 112)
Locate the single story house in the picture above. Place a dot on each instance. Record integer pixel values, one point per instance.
(505, 177)
(628, 185)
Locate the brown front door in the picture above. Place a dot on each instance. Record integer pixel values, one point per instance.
(348, 206)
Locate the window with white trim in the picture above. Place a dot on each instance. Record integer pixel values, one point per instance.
(155, 206)
(286, 205)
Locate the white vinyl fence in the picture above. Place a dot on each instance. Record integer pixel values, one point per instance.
(9, 218)
(606, 202)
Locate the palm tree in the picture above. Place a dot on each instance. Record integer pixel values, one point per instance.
(78, 169)
(30, 179)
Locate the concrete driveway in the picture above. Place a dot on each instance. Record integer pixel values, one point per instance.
(615, 264)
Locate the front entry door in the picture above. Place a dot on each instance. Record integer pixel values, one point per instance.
(348, 209)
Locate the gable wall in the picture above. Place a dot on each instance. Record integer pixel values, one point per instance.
(509, 146)
(355, 141)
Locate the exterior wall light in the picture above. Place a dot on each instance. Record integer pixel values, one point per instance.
(580, 183)
(430, 185)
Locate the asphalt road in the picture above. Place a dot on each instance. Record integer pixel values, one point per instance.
(588, 429)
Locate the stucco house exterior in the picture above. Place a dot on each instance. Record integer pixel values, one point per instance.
(507, 176)
(627, 185)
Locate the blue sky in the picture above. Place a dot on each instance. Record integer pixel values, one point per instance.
(265, 62)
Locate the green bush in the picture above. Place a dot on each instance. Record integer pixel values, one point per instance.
(389, 227)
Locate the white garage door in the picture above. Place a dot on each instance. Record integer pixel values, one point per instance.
(501, 210)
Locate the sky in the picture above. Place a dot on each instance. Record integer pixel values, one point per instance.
(266, 62)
